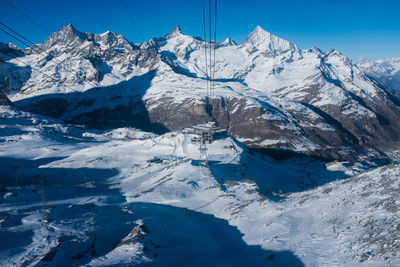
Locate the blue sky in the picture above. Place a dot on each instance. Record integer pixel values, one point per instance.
(354, 27)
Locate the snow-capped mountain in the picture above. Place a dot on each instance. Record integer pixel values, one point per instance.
(386, 72)
(269, 94)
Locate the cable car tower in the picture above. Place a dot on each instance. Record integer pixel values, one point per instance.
(205, 133)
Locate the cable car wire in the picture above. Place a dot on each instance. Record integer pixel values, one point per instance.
(210, 45)
(215, 39)
(28, 17)
(205, 47)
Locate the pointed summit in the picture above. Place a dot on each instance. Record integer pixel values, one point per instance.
(65, 35)
(335, 53)
(113, 40)
(315, 50)
(229, 41)
(336, 56)
(261, 40)
(70, 29)
(107, 36)
(259, 29)
(175, 32)
(258, 34)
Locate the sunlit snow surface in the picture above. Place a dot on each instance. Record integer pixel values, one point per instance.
(74, 197)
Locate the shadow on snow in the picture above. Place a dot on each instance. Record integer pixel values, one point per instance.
(170, 236)
(108, 107)
(275, 177)
(25, 179)
(190, 238)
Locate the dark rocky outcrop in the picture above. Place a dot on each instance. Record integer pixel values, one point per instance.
(4, 101)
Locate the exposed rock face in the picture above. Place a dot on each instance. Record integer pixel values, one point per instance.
(4, 101)
(269, 94)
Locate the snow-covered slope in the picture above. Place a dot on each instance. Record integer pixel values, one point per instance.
(386, 72)
(268, 93)
(126, 197)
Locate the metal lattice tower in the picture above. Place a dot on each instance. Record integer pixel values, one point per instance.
(204, 135)
(203, 148)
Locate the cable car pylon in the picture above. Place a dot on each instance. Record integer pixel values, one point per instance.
(205, 133)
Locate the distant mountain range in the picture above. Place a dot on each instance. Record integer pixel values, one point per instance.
(386, 72)
(269, 94)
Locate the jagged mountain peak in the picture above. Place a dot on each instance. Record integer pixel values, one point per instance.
(262, 40)
(70, 29)
(106, 35)
(229, 41)
(72, 39)
(334, 52)
(315, 50)
(65, 35)
(258, 34)
(338, 56)
(110, 38)
(259, 29)
(176, 31)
